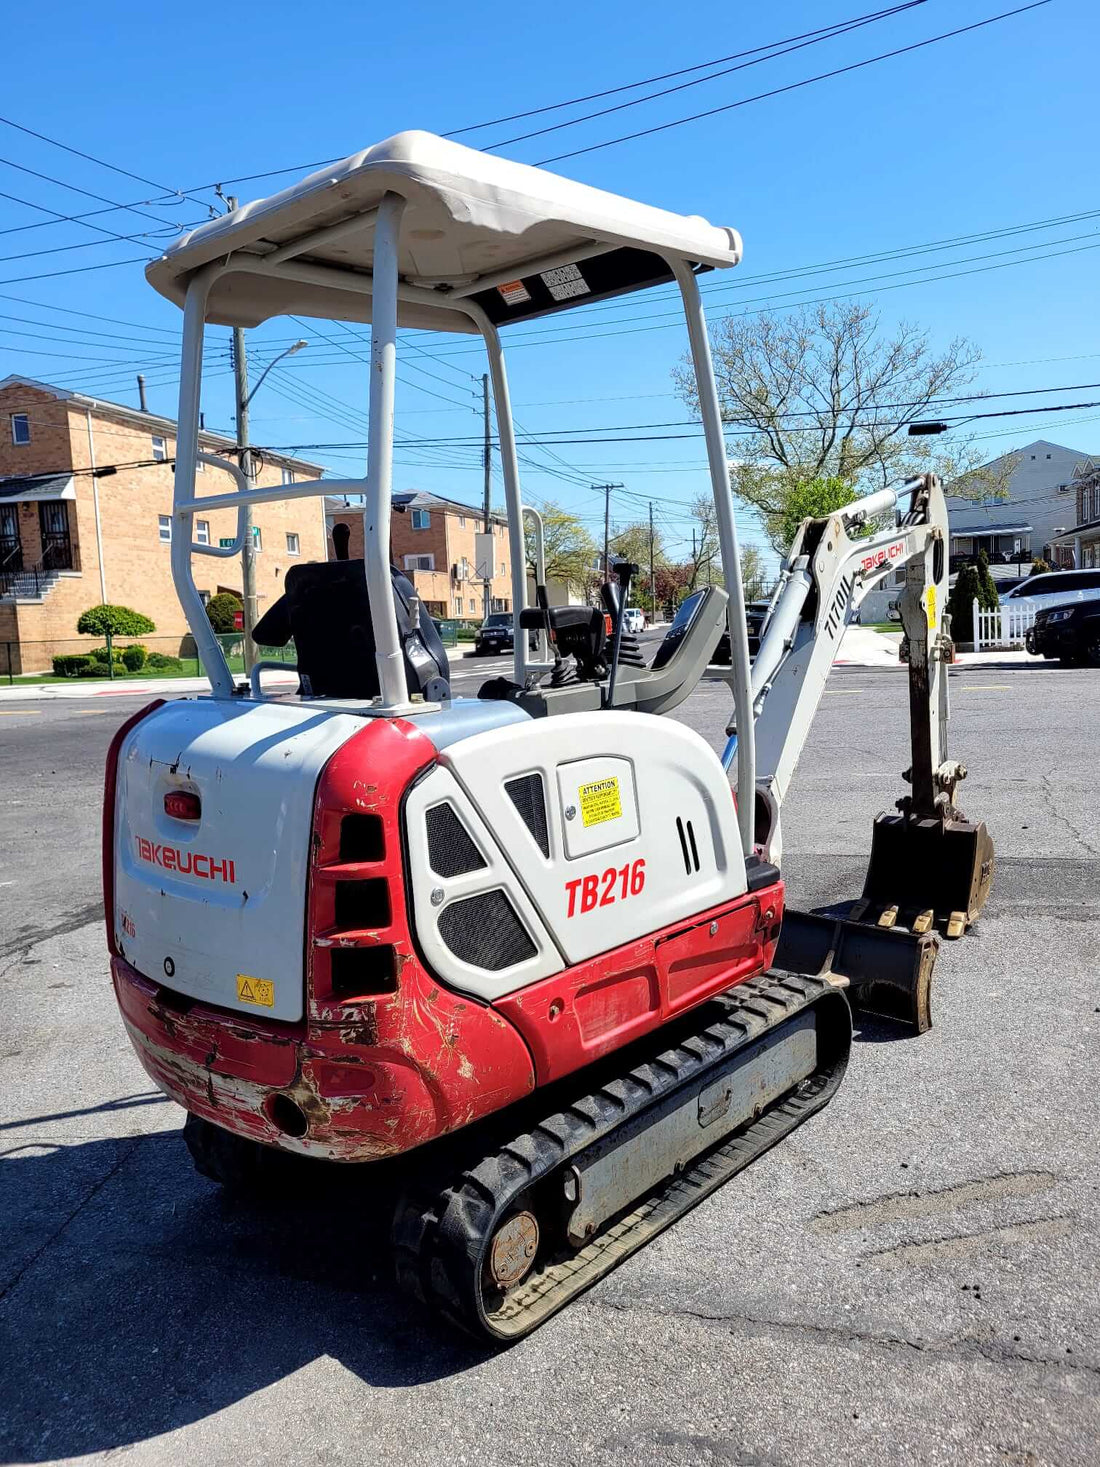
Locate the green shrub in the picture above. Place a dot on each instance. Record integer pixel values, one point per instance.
(133, 658)
(103, 657)
(94, 669)
(961, 604)
(1039, 567)
(70, 665)
(114, 621)
(161, 662)
(221, 611)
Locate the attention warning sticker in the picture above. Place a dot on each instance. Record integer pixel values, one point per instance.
(260, 991)
(600, 801)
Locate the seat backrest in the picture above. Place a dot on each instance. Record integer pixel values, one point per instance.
(329, 618)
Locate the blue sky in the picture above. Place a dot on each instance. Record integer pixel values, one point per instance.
(986, 131)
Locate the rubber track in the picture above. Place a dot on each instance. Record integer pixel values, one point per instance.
(441, 1233)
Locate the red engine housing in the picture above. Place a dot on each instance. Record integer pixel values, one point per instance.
(386, 1056)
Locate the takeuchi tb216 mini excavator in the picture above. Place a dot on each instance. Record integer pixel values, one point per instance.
(532, 942)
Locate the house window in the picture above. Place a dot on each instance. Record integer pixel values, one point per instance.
(473, 604)
(286, 475)
(420, 562)
(458, 606)
(462, 522)
(504, 568)
(293, 547)
(421, 519)
(204, 597)
(160, 448)
(202, 532)
(257, 539)
(20, 428)
(164, 527)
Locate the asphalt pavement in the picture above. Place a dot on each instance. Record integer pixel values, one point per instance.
(912, 1277)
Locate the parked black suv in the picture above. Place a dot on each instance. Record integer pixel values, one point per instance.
(495, 635)
(755, 612)
(1070, 633)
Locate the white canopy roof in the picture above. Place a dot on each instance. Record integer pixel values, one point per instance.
(470, 218)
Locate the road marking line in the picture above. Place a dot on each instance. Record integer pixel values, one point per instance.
(20, 713)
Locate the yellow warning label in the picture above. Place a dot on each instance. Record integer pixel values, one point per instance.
(931, 608)
(260, 991)
(600, 801)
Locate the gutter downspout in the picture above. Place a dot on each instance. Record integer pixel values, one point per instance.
(95, 505)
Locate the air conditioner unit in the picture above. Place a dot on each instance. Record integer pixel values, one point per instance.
(460, 571)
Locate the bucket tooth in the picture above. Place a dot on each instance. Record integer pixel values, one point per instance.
(922, 922)
(930, 864)
(888, 917)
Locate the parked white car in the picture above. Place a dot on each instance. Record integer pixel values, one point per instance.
(1054, 588)
(633, 619)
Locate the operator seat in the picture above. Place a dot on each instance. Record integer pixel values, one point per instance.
(326, 610)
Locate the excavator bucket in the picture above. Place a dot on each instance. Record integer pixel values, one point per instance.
(885, 971)
(924, 873)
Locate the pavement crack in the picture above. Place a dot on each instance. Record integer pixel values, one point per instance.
(97, 1187)
(1058, 814)
(25, 938)
(965, 1347)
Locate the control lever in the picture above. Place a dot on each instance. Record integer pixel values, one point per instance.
(624, 573)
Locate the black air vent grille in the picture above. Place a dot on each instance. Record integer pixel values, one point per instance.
(451, 850)
(486, 932)
(688, 849)
(529, 798)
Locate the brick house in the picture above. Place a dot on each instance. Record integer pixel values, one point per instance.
(71, 538)
(432, 541)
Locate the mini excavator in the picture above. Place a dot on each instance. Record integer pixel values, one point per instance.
(532, 943)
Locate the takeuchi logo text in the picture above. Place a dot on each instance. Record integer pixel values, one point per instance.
(187, 863)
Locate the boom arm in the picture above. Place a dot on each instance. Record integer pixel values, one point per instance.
(826, 576)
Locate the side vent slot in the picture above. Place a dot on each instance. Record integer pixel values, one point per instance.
(451, 849)
(362, 838)
(486, 931)
(363, 970)
(363, 904)
(529, 798)
(688, 848)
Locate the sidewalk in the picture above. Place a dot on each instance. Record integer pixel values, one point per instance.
(861, 647)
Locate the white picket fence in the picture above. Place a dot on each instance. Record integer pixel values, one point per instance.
(1003, 627)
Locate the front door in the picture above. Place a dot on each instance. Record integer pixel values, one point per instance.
(11, 547)
(57, 547)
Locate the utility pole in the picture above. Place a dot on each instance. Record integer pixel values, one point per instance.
(607, 488)
(486, 523)
(248, 553)
(652, 578)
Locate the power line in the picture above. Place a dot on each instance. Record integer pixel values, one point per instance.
(797, 43)
(88, 194)
(794, 86)
(90, 158)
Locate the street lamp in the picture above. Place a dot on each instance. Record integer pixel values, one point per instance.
(248, 550)
(298, 345)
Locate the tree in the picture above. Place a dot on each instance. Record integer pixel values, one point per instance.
(960, 603)
(753, 574)
(114, 621)
(569, 550)
(1039, 567)
(821, 393)
(221, 611)
(706, 554)
(988, 599)
(809, 499)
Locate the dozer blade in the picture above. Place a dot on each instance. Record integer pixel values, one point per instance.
(929, 866)
(886, 970)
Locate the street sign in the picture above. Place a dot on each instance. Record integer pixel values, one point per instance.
(225, 544)
(238, 619)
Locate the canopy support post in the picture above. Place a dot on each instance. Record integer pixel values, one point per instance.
(183, 492)
(376, 515)
(711, 413)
